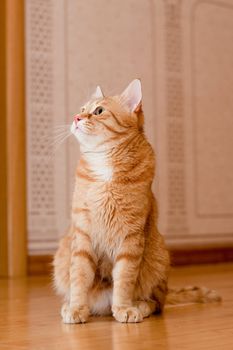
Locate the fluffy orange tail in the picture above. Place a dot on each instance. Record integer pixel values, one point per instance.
(191, 294)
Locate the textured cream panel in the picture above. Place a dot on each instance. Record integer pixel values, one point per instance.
(47, 178)
(208, 57)
(212, 108)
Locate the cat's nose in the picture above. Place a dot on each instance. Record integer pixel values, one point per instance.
(77, 118)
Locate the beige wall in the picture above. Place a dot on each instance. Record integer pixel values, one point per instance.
(183, 52)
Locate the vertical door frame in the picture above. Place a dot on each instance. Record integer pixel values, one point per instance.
(3, 157)
(13, 225)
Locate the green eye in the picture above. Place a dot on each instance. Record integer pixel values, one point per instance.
(98, 110)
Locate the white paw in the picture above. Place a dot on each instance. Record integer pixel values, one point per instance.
(74, 314)
(126, 314)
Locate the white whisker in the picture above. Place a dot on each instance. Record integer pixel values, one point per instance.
(59, 137)
(58, 143)
(55, 135)
(59, 127)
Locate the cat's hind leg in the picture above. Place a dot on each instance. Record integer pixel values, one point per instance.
(156, 301)
(146, 307)
(159, 295)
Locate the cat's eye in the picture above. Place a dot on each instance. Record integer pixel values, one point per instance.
(98, 110)
(82, 109)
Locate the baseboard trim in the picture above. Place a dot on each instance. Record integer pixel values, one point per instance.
(192, 256)
(42, 264)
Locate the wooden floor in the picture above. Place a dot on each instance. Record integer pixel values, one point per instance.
(30, 319)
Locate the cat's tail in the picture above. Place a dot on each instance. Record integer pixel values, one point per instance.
(191, 294)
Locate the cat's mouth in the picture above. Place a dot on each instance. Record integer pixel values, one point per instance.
(80, 129)
(75, 127)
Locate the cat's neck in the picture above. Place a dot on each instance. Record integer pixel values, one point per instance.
(103, 164)
(99, 163)
(121, 148)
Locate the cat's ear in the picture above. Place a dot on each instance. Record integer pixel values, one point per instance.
(97, 94)
(131, 97)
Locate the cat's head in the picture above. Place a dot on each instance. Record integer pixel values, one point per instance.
(106, 121)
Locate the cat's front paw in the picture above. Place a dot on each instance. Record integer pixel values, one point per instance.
(74, 314)
(126, 314)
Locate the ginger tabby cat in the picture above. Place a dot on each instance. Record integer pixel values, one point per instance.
(113, 259)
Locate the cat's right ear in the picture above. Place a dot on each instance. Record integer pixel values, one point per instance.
(131, 97)
(97, 94)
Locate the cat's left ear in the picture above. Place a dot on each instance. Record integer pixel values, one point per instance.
(131, 97)
(98, 93)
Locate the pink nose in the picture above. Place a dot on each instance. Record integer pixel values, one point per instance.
(77, 118)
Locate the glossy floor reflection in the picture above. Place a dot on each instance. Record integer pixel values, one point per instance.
(30, 318)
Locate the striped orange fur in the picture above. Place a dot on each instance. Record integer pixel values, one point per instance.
(113, 259)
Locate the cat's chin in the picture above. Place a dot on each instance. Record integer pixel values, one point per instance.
(79, 131)
(79, 134)
(75, 130)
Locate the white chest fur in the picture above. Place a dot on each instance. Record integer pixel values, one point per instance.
(100, 165)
